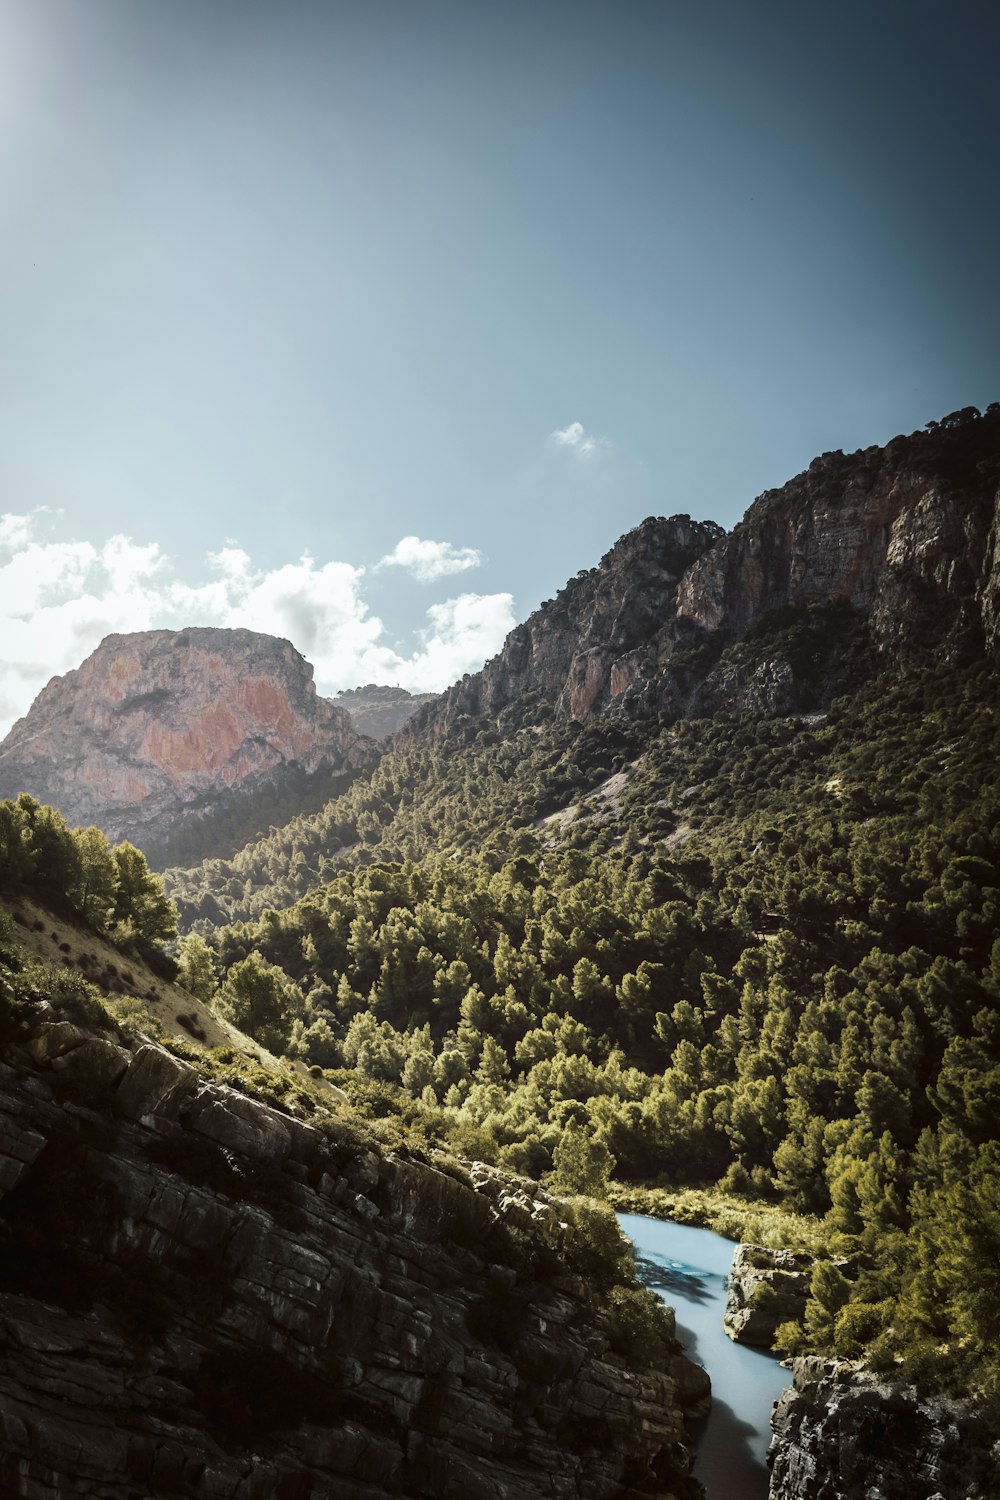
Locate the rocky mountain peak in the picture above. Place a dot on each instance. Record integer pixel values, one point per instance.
(161, 728)
(896, 546)
(570, 655)
(379, 710)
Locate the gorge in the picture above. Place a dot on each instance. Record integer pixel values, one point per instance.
(693, 892)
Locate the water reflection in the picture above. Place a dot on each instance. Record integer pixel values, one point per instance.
(665, 1277)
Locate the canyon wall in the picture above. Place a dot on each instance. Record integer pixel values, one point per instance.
(841, 1432)
(201, 1296)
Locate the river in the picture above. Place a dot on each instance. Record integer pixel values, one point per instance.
(688, 1268)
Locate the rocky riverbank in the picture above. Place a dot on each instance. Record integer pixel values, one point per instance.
(200, 1295)
(841, 1433)
(766, 1288)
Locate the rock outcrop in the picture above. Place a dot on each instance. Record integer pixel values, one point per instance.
(904, 535)
(576, 654)
(202, 1296)
(840, 1433)
(891, 549)
(766, 1288)
(159, 730)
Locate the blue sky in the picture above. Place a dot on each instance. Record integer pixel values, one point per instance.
(297, 277)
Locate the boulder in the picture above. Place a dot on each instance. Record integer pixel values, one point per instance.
(766, 1288)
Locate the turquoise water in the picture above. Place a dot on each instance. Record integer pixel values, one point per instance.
(688, 1268)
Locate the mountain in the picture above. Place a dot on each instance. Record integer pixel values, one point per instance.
(859, 567)
(689, 899)
(162, 734)
(898, 544)
(379, 711)
(707, 875)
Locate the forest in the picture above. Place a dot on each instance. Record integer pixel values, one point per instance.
(755, 955)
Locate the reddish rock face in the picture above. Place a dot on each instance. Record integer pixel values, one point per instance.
(159, 728)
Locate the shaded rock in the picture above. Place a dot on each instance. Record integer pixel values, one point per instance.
(179, 1318)
(841, 1433)
(92, 1068)
(55, 1039)
(155, 1083)
(240, 1124)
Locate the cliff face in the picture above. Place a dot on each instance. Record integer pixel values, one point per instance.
(839, 1432)
(894, 532)
(890, 549)
(576, 654)
(162, 728)
(200, 1296)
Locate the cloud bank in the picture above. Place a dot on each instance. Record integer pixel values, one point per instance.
(59, 599)
(430, 560)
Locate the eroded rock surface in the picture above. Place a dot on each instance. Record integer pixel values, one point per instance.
(766, 1288)
(201, 1296)
(162, 728)
(892, 549)
(842, 1434)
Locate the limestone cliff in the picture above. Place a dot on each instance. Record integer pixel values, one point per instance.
(766, 1288)
(161, 729)
(904, 534)
(841, 1432)
(201, 1296)
(893, 549)
(576, 654)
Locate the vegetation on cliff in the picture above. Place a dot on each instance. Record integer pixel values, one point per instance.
(767, 959)
(741, 941)
(110, 888)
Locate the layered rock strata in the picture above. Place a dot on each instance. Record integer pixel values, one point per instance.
(840, 1433)
(163, 728)
(201, 1296)
(575, 655)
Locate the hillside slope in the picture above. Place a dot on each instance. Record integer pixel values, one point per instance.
(860, 567)
(205, 1293)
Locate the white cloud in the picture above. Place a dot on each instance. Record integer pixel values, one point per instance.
(578, 439)
(58, 599)
(15, 531)
(429, 560)
(462, 634)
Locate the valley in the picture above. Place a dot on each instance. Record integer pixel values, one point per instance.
(688, 902)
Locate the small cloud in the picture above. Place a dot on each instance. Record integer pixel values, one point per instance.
(578, 439)
(461, 635)
(429, 560)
